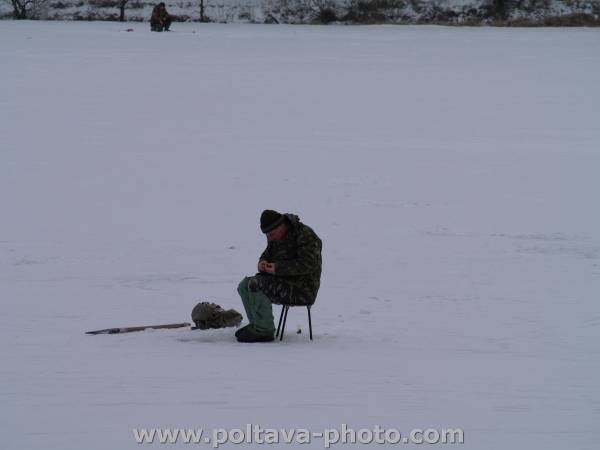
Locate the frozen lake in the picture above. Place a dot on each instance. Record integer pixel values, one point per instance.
(452, 174)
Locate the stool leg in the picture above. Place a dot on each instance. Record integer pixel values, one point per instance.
(284, 321)
(280, 318)
(309, 323)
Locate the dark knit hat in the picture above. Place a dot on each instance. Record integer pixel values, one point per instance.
(269, 220)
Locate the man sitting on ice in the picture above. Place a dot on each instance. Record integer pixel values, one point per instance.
(289, 273)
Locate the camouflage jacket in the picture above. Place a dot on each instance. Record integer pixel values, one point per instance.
(297, 259)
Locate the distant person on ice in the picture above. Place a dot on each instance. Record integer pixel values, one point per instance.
(160, 19)
(289, 272)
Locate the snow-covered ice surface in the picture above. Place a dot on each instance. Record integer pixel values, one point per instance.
(453, 175)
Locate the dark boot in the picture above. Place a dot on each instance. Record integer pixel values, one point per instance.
(250, 334)
(237, 333)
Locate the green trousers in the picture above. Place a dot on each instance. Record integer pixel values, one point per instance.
(259, 309)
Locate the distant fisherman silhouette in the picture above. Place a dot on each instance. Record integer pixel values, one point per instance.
(160, 19)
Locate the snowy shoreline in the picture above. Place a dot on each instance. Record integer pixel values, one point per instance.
(446, 12)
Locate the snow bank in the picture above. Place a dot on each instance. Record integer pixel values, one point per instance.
(320, 11)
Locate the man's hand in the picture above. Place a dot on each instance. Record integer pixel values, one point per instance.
(262, 265)
(270, 268)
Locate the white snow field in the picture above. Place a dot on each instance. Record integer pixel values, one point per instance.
(452, 174)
